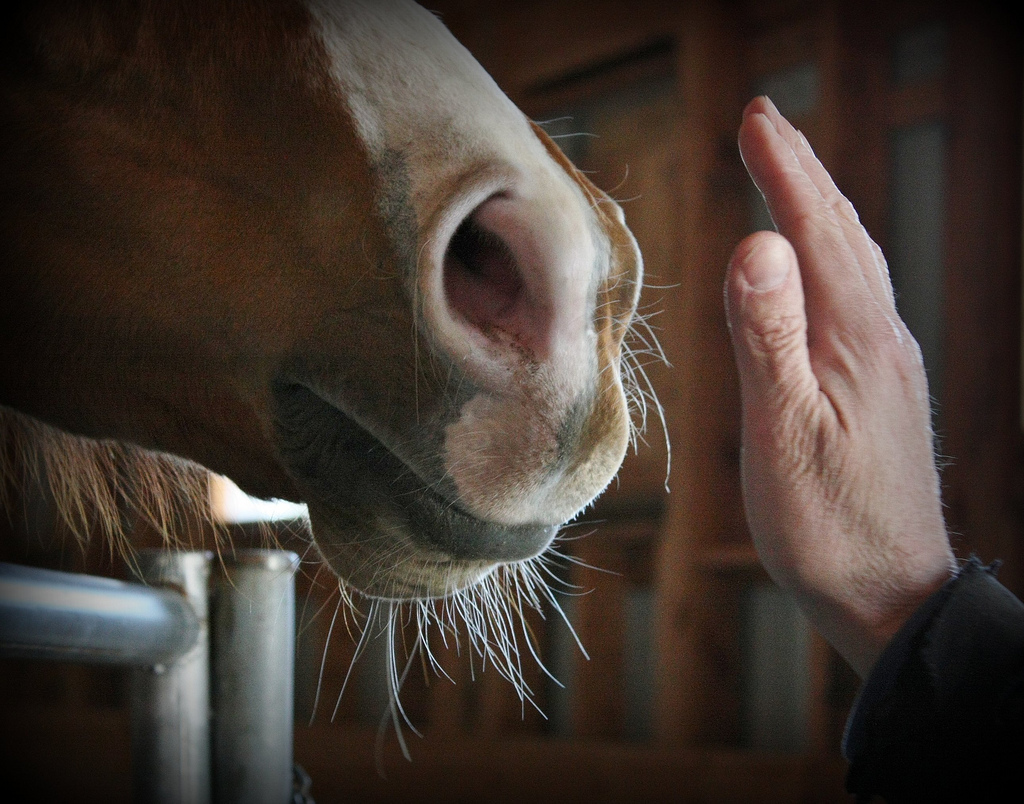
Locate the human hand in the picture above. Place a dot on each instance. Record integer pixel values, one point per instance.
(839, 478)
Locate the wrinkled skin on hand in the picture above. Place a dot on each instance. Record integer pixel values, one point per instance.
(839, 476)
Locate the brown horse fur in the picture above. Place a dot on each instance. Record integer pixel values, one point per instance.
(108, 489)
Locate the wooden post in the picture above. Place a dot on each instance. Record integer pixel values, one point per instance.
(704, 507)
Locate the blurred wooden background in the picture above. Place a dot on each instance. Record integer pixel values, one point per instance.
(704, 683)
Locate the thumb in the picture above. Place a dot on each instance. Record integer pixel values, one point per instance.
(768, 322)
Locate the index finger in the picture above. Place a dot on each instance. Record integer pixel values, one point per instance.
(838, 261)
(856, 235)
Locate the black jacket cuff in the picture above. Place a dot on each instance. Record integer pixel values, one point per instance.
(942, 714)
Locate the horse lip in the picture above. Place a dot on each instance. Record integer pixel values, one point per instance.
(436, 523)
(443, 525)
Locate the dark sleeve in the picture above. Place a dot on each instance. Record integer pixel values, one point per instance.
(941, 718)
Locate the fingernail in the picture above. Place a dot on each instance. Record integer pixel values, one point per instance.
(766, 266)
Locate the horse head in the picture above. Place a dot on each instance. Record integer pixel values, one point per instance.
(313, 247)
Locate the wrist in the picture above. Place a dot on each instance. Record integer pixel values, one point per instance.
(873, 629)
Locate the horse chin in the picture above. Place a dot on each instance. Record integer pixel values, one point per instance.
(392, 554)
(381, 561)
(383, 528)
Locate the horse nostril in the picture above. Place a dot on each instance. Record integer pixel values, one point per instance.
(482, 280)
(514, 284)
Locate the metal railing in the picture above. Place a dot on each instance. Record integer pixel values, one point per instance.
(211, 645)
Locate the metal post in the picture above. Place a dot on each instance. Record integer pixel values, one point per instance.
(171, 702)
(45, 614)
(253, 633)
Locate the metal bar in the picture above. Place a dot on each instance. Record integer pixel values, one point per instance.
(252, 620)
(170, 704)
(61, 616)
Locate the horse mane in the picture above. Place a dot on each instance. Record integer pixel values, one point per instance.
(105, 488)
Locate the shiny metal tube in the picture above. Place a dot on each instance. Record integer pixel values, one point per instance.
(170, 703)
(46, 614)
(253, 635)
